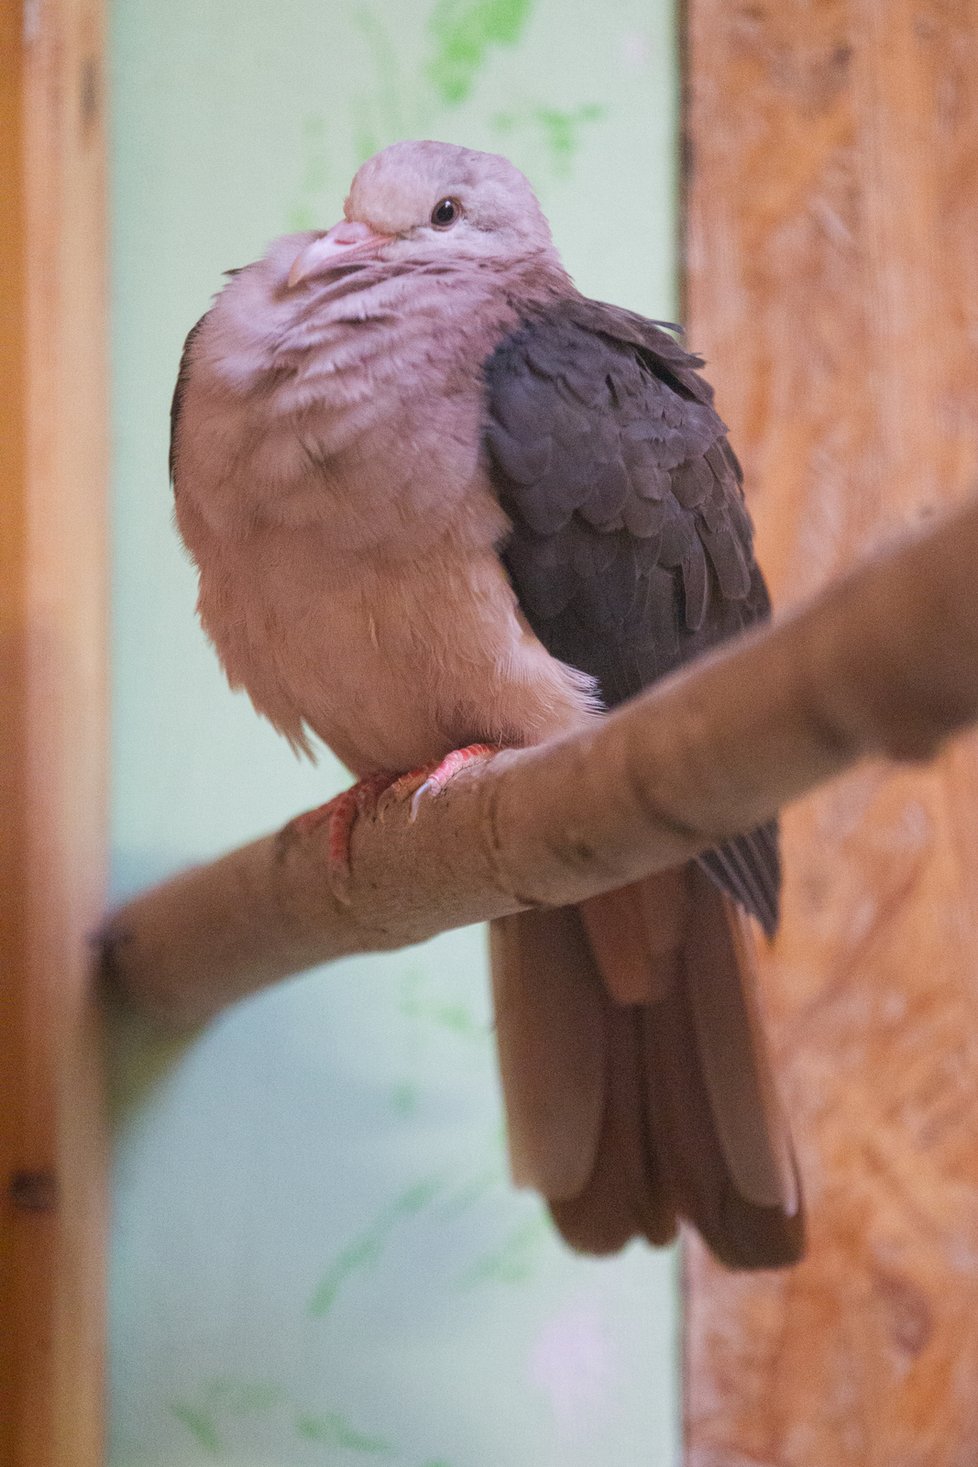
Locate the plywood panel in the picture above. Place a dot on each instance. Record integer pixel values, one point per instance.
(52, 730)
(832, 214)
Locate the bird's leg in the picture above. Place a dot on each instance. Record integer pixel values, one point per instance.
(340, 814)
(431, 779)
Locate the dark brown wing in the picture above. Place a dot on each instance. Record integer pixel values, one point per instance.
(631, 548)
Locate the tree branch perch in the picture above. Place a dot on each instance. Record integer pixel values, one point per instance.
(883, 662)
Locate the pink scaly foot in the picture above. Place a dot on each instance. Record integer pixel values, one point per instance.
(341, 814)
(432, 778)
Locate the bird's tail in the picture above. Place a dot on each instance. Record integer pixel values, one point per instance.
(637, 1083)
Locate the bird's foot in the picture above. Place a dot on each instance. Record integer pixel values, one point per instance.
(340, 815)
(431, 779)
(370, 797)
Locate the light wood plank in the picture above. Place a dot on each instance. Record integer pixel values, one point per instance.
(832, 214)
(53, 730)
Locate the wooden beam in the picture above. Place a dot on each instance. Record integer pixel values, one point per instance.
(831, 219)
(53, 729)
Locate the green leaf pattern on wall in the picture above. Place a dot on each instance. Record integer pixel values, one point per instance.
(463, 31)
(459, 38)
(215, 1420)
(364, 1251)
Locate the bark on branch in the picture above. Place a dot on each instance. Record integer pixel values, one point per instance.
(884, 662)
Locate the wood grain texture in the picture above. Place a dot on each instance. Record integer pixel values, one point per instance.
(832, 282)
(53, 730)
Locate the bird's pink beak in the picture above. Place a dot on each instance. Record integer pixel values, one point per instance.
(347, 241)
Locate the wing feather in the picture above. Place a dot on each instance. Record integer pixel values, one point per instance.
(631, 549)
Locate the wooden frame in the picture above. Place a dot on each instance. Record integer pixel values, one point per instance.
(53, 730)
(832, 211)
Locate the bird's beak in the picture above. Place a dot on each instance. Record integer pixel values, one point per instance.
(345, 242)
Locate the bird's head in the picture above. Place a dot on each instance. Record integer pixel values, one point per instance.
(425, 202)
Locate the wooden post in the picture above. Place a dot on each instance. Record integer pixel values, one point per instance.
(52, 729)
(832, 219)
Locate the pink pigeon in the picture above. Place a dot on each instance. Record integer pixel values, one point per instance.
(441, 502)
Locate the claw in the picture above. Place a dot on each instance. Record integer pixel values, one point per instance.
(439, 775)
(423, 789)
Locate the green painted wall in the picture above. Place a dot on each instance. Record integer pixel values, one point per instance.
(317, 1257)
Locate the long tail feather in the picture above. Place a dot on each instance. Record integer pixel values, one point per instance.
(648, 1094)
(726, 1158)
(624, 1195)
(549, 1002)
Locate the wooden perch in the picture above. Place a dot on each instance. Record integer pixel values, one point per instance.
(884, 661)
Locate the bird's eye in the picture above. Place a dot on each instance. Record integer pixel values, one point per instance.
(446, 213)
